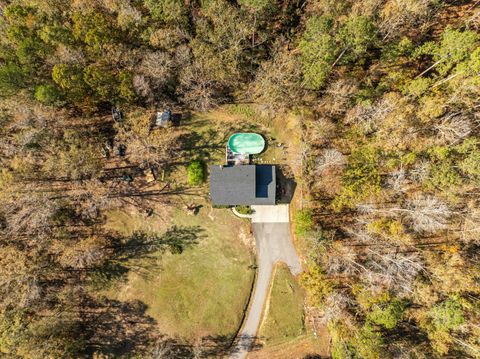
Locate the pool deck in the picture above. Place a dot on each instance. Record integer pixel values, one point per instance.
(233, 159)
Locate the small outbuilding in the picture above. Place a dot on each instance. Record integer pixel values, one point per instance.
(242, 185)
(164, 119)
(117, 115)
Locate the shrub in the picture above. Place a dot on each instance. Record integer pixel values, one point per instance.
(244, 209)
(447, 315)
(386, 227)
(368, 343)
(303, 222)
(12, 79)
(125, 89)
(317, 285)
(418, 87)
(443, 176)
(47, 94)
(387, 314)
(456, 46)
(195, 173)
(168, 11)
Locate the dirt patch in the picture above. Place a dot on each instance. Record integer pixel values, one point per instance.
(246, 237)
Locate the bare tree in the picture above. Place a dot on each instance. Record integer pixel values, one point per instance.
(322, 130)
(67, 55)
(428, 214)
(154, 74)
(453, 128)
(397, 180)
(84, 253)
(162, 350)
(471, 227)
(335, 306)
(198, 89)
(339, 96)
(400, 15)
(147, 147)
(393, 269)
(420, 171)
(368, 117)
(142, 87)
(342, 260)
(330, 157)
(156, 65)
(30, 214)
(277, 83)
(128, 16)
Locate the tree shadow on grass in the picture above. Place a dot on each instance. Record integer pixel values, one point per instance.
(211, 346)
(140, 252)
(201, 145)
(245, 342)
(118, 329)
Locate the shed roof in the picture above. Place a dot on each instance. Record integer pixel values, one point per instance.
(243, 185)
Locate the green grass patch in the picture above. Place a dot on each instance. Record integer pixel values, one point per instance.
(244, 209)
(303, 222)
(200, 292)
(285, 319)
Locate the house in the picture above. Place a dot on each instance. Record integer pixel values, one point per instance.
(242, 185)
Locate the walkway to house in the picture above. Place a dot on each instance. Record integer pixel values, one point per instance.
(271, 229)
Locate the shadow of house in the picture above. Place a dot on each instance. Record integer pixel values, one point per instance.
(286, 186)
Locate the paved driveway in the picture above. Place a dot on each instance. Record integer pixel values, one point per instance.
(274, 245)
(270, 214)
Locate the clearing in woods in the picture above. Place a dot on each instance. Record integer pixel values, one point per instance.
(217, 272)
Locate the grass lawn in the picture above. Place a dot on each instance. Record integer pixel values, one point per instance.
(284, 319)
(202, 291)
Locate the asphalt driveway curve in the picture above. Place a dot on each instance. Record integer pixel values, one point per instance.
(271, 229)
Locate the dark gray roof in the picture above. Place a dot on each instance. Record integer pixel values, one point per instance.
(242, 185)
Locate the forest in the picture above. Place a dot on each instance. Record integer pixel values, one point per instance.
(387, 93)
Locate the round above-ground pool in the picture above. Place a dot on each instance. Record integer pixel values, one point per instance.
(246, 143)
